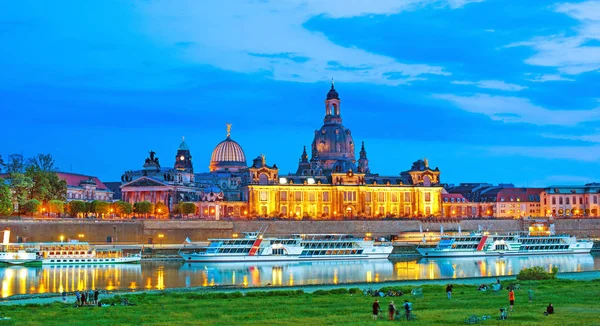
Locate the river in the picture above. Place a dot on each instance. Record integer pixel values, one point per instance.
(175, 274)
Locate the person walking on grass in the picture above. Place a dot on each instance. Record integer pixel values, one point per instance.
(96, 293)
(375, 309)
(78, 297)
(391, 310)
(511, 298)
(449, 291)
(407, 309)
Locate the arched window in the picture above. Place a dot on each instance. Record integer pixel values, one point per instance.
(426, 181)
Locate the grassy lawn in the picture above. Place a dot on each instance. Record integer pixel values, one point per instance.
(575, 302)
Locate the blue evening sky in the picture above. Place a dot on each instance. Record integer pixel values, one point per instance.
(487, 90)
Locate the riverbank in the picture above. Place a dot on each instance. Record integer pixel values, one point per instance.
(575, 304)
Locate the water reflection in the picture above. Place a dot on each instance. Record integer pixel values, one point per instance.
(162, 275)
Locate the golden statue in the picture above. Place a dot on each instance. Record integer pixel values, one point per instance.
(426, 161)
(228, 130)
(264, 159)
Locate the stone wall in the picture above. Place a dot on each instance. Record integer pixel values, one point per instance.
(175, 231)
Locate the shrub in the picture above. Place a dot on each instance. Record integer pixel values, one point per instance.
(537, 273)
(339, 291)
(355, 291)
(56, 206)
(31, 206)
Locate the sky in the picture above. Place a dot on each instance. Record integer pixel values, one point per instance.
(487, 90)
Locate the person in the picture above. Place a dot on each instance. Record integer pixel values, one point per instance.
(482, 287)
(83, 298)
(449, 291)
(549, 310)
(530, 295)
(407, 309)
(96, 294)
(90, 296)
(375, 309)
(511, 298)
(391, 310)
(64, 296)
(78, 297)
(503, 314)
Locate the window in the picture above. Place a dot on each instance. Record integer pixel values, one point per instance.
(368, 210)
(553, 201)
(407, 197)
(574, 200)
(311, 196)
(381, 196)
(325, 195)
(407, 210)
(560, 200)
(349, 195)
(580, 201)
(264, 196)
(381, 210)
(427, 197)
(368, 197)
(394, 197)
(283, 196)
(567, 200)
(284, 210)
(298, 196)
(427, 210)
(298, 210)
(326, 210)
(595, 199)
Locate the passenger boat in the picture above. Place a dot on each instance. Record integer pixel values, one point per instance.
(62, 253)
(540, 240)
(298, 247)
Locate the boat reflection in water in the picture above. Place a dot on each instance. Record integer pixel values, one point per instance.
(160, 275)
(305, 273)
(68, 278)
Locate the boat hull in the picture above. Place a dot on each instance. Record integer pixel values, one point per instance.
(455, 253)
(195, 258)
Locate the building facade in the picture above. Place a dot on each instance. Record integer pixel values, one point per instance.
(571, 201)
(332, 184)
(85, 188)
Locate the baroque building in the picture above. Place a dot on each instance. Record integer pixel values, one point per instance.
(332, 184)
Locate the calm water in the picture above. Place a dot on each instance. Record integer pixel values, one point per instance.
(162, 275)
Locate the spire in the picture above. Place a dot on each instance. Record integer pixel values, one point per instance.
(333, 94)
(363, 152)
(304, 157)
(228, 130)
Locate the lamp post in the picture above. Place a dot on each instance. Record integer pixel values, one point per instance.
(161, 236)
(114, 239)
(62, 238)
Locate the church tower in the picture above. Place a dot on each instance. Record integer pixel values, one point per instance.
(183, 159)
(332, 107)
(303, 164)
(363, 161)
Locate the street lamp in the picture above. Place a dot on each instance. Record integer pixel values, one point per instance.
(81, 235)
(62, 238)
(161, 236)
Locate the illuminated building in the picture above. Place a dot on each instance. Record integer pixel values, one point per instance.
(332, 184)
(571, 201)
(85, 188)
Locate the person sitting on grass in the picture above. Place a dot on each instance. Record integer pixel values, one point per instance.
(549, 310)
(482, 287)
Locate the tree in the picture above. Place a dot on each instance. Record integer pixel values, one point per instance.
(187, 208)
(42, 162)
(6, 205)
(143, 207)
(161, 209)
(46, 183)
(21, 187)
(122, 208)
(1, 164)
(31, 206)
(16, 164)
(56, 206)
(77, 207)
(101, 207)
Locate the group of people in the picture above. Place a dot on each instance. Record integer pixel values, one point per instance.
(85, 298)
(393, 313)
(379, 293)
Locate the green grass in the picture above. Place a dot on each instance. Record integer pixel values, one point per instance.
(576, 303)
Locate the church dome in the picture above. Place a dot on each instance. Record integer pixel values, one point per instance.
(228, 155)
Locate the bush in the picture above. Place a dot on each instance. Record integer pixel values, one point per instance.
(355, 291)
(537, 273)
(56, 206)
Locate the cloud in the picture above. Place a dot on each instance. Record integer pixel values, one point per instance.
(492, 84)
(269, 37)
(542, 78)
(578, 153)
(572, 54)
(593, 138)
(519, 110)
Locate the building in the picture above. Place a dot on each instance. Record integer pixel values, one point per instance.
(85, 187)
(571, 201)
(519, 203)
(332, 184)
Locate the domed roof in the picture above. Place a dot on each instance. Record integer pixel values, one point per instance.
(333, 94)
(228, 155)
(333, 142)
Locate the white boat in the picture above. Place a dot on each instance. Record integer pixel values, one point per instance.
(62, 253)
(298, 247)
(540, 240)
